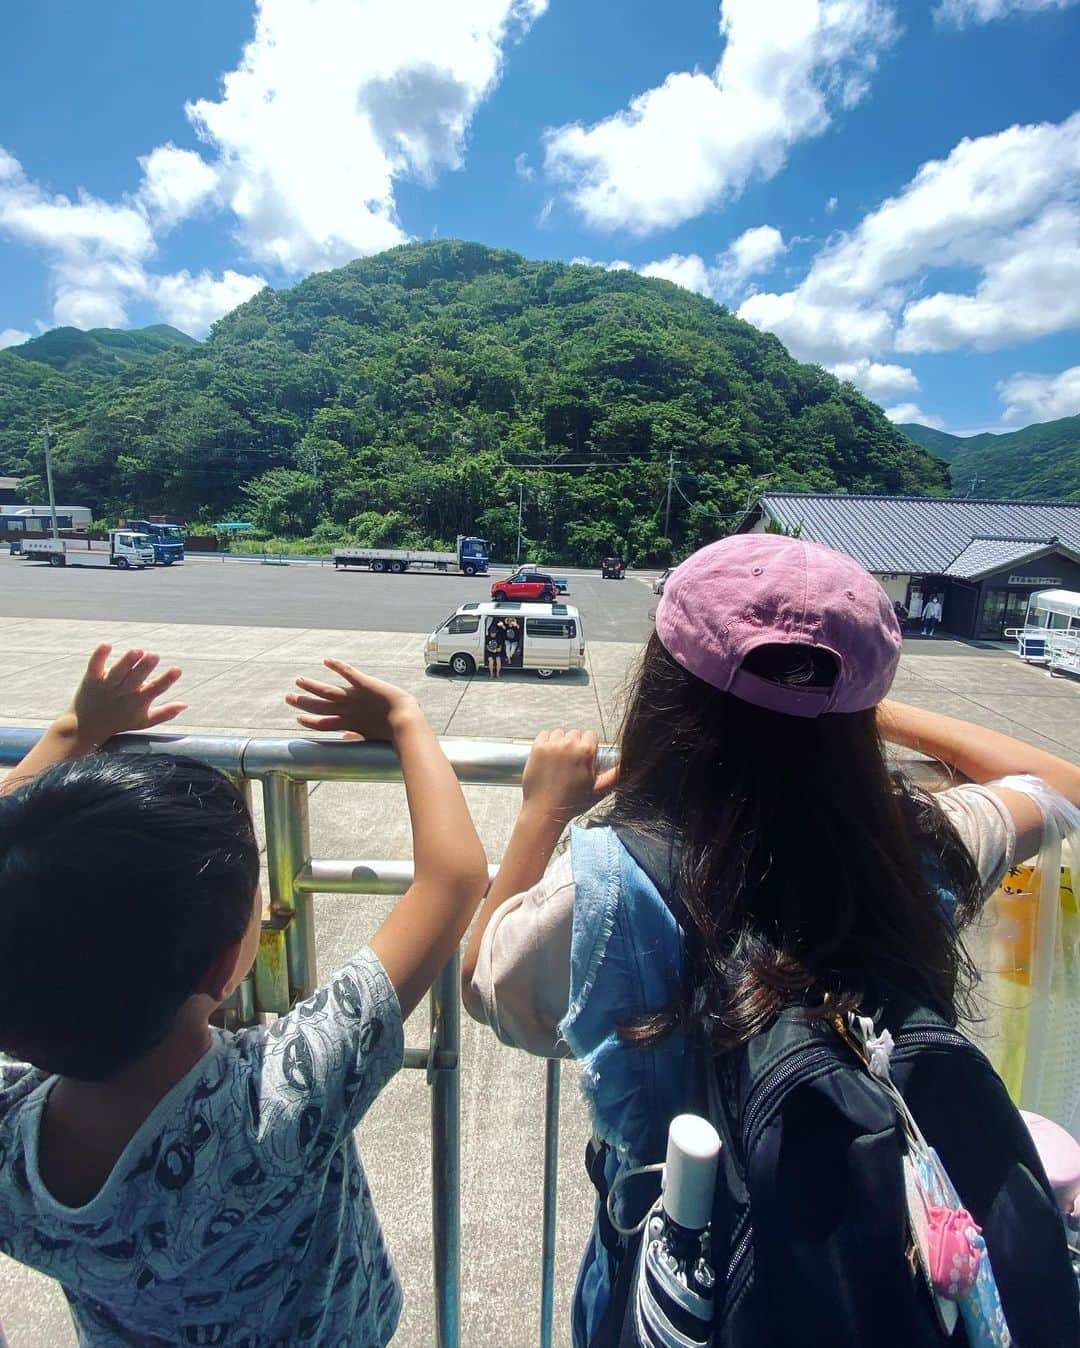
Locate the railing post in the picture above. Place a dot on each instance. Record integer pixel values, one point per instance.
(445, 1085)
(551, 1200)
(288, 851)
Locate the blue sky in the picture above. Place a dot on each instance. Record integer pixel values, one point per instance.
(892, 186)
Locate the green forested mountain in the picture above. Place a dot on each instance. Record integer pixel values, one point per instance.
(101, 350)
(405, 397)
(1041, 462)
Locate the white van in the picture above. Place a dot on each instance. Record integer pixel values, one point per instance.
(551, 637)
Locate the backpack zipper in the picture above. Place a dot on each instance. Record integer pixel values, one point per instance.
(799, 1063)
(796, 1064)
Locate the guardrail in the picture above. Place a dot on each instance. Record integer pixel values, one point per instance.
(285, 967)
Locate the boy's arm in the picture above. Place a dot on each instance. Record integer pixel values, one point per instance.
(106, 703)
(449, 866)
(560, 782)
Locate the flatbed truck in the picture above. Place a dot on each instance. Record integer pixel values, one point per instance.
(124, 550)
(469, 559)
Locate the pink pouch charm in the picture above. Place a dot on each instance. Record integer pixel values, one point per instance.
(955, 1246)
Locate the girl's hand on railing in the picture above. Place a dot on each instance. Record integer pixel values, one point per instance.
(364, 707)
(561, 780)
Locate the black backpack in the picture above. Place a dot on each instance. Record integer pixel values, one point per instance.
(810, 1239)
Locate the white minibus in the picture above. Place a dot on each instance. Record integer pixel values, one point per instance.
(541, 637)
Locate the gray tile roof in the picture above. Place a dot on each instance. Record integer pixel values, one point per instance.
(983, 556)
(916, 533)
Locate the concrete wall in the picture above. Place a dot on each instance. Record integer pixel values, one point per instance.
(895, 585)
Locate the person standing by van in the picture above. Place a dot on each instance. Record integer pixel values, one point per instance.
(512, 641)
(495, 646)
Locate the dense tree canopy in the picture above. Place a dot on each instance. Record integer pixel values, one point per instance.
(407, 398)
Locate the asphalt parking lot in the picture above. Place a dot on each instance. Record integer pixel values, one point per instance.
(298, 594)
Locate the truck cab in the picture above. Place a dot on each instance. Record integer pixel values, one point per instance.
(129, 548)
(472, 555)
(166, 539)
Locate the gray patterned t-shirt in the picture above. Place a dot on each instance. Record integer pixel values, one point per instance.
(238, 1216)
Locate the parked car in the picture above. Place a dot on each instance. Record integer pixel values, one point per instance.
(613, 568)
(552, 638)
(659, 582)
(534, 586)
(561, 583)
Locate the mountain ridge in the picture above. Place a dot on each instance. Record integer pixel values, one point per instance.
(1040, 461)
(410, 396)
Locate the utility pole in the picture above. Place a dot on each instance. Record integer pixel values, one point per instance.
(47, 436)
(971, 489)
(521, 497)
(670, 481)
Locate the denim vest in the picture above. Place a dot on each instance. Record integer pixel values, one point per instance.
(626, 957)
(625, 961)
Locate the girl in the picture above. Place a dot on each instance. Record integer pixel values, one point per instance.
(494, 647)
(800, 870)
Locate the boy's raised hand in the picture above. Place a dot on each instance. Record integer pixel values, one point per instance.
(111, 700)
(560, 778)
(364, 707)
(106, 702)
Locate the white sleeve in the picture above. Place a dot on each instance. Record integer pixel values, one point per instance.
(522, 975)
(986, 829)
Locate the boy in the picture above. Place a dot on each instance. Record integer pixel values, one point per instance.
(186, 1185)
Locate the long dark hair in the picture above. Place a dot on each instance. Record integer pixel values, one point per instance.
(801, 860)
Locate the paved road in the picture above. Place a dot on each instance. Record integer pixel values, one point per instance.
(250, 594)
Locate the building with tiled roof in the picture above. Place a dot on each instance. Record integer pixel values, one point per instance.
(984, 559)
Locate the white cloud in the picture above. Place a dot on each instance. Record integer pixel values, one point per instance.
(523, 168)
(688, 271)
(176, 183)
(913, 412)
(192, 303)
(753, 253)
(333, 101)
(13, 337)
(1040, 397)
(95, 250)
(698, 139)
(877, 380)
(1003, 205)
(1030, 286)
(831, 205)
(962, 12)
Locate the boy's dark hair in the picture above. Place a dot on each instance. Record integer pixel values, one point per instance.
(121, 880)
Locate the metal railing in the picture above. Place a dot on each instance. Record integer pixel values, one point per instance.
(285, 967)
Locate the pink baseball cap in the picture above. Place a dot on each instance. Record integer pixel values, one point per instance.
(753, 590)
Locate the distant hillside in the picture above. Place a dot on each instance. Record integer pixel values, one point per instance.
(413, 395)
(101, 350)
(1041, 462)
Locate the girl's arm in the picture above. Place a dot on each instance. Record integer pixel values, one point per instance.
(106, 702)
(983, 755)
(560, 782)
(449, 865)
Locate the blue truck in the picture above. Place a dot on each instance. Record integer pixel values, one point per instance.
(167, 539)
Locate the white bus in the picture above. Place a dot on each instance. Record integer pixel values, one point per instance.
(550, 637)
